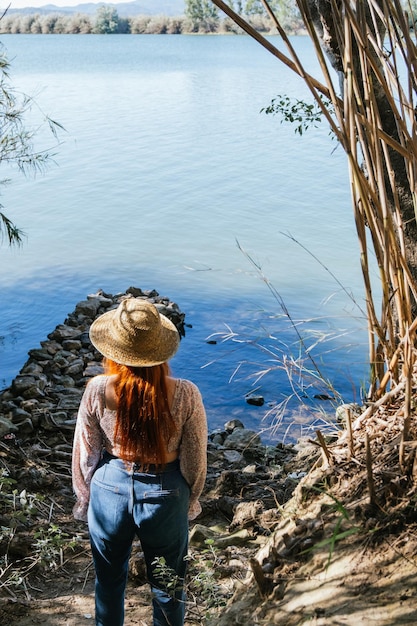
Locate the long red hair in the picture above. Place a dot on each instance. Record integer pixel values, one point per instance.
(144, 424)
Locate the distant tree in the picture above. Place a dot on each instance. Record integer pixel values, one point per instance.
(48, 23)
(36, 27)
(201, 10)
(175, 25)
(254, 7)
(107, 20)
(79, 23)
(139, 24)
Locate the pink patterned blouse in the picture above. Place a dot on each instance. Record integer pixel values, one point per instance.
(94, 434)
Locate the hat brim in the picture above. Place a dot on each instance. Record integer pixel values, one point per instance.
(109, 345)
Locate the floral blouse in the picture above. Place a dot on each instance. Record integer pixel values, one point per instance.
(94, 433)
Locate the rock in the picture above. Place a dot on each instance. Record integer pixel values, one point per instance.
(19, 415)
(232, 456)
(255, 400)
(29, 405)
(136, 292)
(66, 381)
(25, 427)
(232, 425)
(60, 360)
(89, 307)
(218, 439)
(32, 368)
(63, 331)
(7, 426)
(22, 383)
(52, 347)
(296, 475)
(72, 345)
(249, 469)
(343, 410)
(85, 340)
(242, 438)
(76, 367)
(40, 354)
(93, 369)
(104, 300)
(33, 392)
(239, 538)
(199, 535)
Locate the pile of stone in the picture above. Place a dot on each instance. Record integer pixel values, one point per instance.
(47, 392)
(247, 481)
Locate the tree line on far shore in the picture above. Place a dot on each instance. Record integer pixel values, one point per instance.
(107, 21)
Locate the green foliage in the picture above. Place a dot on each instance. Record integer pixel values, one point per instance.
(201, 584)
(17, 141)
(28, 513)
(168, 578)
(298, 112)
(49, 545)
(107, 20)
(201, 10)
(203, 580)
(254, 7)
(340, 531)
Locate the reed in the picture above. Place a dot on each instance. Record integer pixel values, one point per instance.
(372, 115)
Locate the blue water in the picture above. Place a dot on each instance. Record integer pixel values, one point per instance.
(165, 164)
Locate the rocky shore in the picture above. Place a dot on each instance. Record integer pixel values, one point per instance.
(41, 405)
(246, 488)
(46, 393)
(286, 535)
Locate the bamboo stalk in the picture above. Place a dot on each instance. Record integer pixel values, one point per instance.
(350, 434)
(364, 32)
(263, 583)
(374, 406)
(325, 450)
(369, 472)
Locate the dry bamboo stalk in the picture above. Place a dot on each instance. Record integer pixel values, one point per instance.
(414, 470)
(325, 450)
(350, 433)
(374, 406)
(263, 584)
(369, 472)
(362, 32)
(401, 454)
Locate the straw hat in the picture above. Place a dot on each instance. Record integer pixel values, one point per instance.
(135, 334)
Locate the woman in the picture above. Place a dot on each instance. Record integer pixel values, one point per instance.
(139, 459)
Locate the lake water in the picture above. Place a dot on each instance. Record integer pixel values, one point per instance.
(165, 164)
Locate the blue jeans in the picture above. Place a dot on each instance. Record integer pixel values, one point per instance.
(125, 503)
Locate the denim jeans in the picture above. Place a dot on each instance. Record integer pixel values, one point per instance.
(125, 503)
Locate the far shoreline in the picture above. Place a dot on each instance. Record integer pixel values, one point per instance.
(109, 22)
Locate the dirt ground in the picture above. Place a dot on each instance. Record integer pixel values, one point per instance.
(362, 585)
(353, 580)
(359, 585)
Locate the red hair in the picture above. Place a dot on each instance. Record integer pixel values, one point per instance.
(144, 424)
